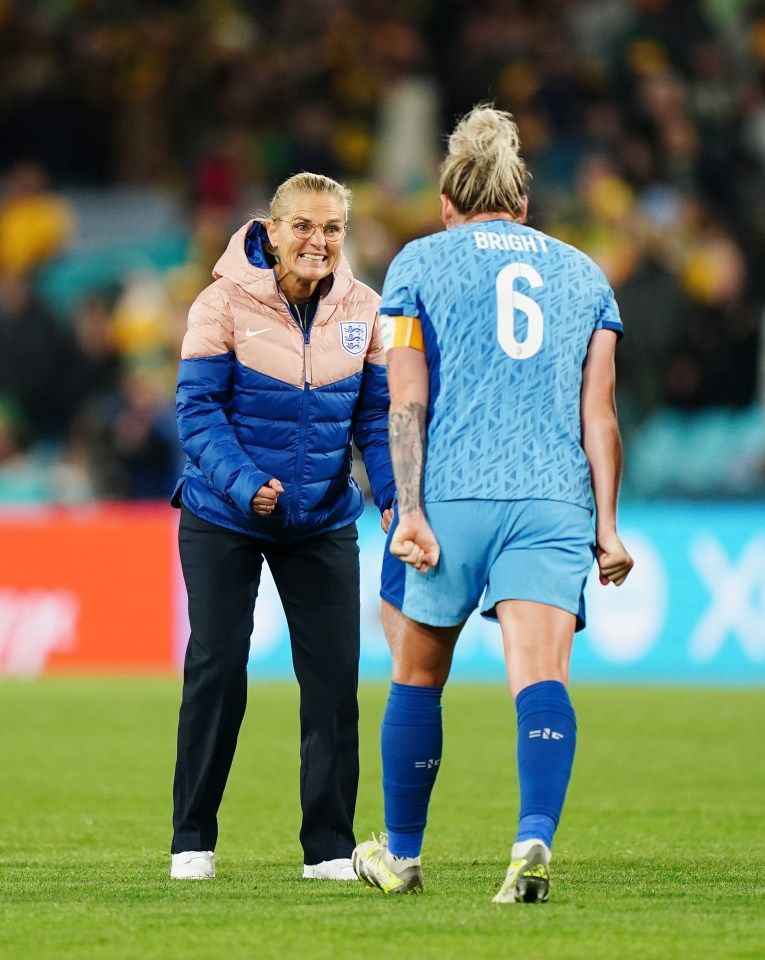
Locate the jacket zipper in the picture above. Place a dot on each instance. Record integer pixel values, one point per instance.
(301, 450)
(307, 379)
(307, 367)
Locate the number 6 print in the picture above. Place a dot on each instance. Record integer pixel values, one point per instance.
(508, 301)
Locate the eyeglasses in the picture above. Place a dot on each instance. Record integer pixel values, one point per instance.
(305, 229)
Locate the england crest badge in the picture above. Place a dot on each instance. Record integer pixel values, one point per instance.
(353, 336)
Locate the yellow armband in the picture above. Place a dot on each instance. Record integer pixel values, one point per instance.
(402, 332)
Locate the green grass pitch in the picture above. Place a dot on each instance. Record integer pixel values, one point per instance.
(660, 854)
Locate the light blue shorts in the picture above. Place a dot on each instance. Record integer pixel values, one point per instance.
(540, 550)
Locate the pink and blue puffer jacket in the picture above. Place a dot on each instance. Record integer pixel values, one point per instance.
(258, 398)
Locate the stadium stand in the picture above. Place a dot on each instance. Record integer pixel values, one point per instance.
(134, 135)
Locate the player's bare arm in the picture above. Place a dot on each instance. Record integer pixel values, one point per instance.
(413, 542)
(603, 448)
(406, 436)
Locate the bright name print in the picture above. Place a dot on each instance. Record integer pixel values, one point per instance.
(488, 240)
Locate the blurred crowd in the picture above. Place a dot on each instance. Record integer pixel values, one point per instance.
(643, 123)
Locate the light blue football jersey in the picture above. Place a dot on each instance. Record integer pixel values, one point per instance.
(507, 313)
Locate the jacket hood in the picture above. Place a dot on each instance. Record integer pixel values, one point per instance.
(244, 262)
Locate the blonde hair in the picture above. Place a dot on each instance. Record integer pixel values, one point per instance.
(308, 183)
(483, 171)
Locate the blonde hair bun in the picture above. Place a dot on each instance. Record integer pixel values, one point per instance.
(483, 171)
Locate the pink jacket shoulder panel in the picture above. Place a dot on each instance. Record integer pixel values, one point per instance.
(244, 312)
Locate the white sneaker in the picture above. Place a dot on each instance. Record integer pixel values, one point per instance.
(193, 865)
(340, 869)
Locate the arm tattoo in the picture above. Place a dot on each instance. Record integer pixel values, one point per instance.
(406, 432)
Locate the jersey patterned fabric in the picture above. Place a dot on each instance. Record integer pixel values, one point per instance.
(505, 314)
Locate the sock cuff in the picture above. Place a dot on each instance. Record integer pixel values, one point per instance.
(549, 690)
(413, 706)
(547, 696)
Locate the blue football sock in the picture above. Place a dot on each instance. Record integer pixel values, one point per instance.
(546, 745)
(411, 741)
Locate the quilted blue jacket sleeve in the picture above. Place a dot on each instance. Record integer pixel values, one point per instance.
(207, 438)
(370, 433)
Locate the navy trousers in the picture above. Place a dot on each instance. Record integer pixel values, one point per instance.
(318, 584)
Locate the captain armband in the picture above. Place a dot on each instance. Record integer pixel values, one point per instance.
(402, 332)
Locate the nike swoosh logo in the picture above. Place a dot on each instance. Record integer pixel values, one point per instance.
(255, 333)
